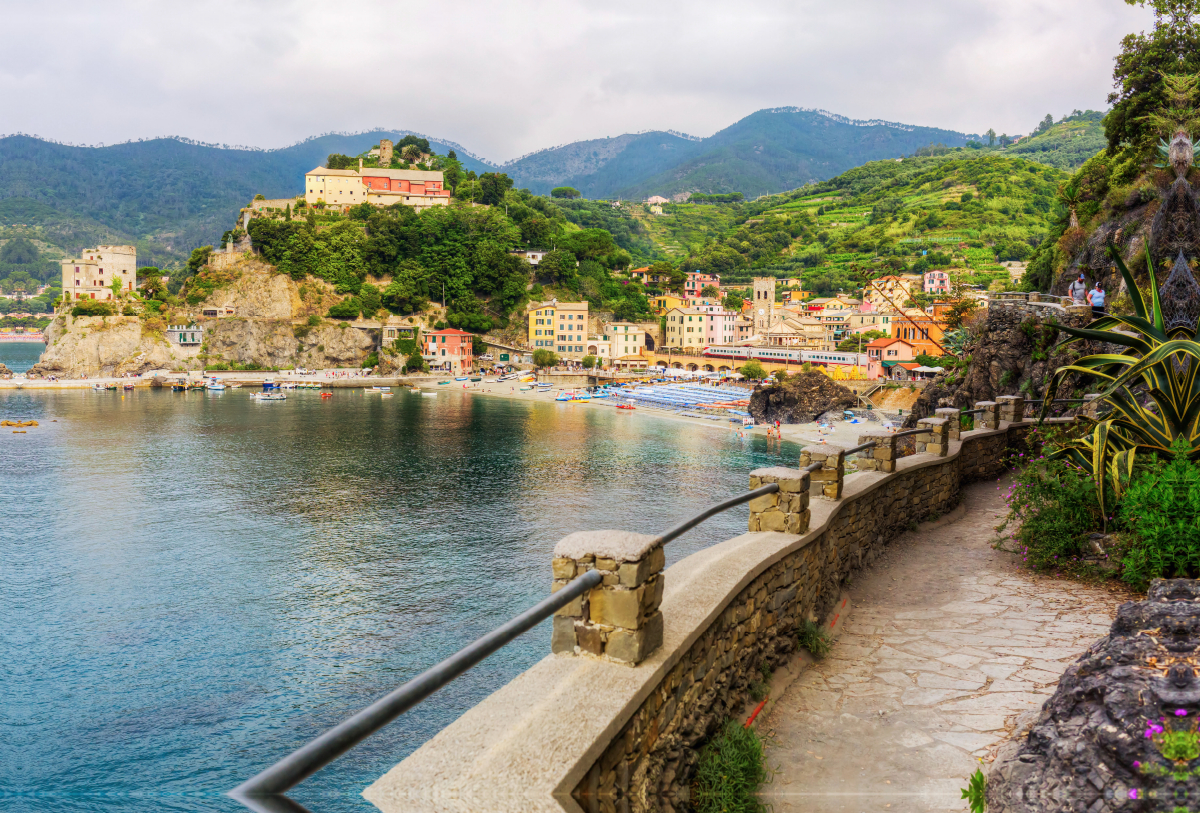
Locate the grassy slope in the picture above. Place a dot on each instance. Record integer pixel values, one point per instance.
(1066, 145)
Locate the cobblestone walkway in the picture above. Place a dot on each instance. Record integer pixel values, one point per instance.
(946, 644)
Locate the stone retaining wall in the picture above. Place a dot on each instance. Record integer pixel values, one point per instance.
(611, 722)
(649, 765)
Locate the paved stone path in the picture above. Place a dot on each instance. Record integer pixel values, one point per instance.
(947, 642)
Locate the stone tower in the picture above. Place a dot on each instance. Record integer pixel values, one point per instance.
(385, 152)
(763, 313)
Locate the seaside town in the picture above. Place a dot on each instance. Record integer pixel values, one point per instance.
(784, 461)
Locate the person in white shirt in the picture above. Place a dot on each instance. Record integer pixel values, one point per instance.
(1096, 300)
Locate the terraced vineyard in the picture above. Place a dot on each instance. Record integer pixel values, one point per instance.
(966, 211)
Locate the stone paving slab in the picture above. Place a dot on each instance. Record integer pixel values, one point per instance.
(949, 641)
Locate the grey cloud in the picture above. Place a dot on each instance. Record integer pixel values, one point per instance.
(507, 78)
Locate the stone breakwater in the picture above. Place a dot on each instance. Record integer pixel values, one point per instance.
(613, 722)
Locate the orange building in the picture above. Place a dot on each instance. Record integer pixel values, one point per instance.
(920, 330)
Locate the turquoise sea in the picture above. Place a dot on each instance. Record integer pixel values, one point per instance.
(195, 584)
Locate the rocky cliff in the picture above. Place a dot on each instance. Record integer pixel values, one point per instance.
(271, 330)
(799, 399)
(1013, 349)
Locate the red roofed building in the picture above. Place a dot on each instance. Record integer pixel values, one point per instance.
(893, 350)
(449, 350)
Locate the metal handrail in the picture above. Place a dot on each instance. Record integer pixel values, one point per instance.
(907, 432)
(316, 754)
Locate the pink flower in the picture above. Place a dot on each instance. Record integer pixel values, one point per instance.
(1181, 712)
(1137, 764)
(1133, 793)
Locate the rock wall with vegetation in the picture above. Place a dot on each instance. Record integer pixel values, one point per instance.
(800, 398)
(1013, 348)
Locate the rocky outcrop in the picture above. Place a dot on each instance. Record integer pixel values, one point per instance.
(5, 372)
(1015, 350)
(1120, 732)
(106, 346)
(799, 399)
(270, 331)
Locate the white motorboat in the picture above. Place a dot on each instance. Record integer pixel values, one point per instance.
(269, 396)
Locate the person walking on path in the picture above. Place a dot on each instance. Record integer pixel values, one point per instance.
(1078, 291)
(1096, 300)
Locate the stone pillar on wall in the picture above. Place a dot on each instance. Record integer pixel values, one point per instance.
(619, 620)
(935, 440)
(882, 457)
(1012, 408)
(990, 417)
(833, 468)
(787, 509)
(953, 421)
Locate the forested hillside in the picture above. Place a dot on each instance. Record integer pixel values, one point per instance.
(1066, 144)
(163, 195)
(766, 152)
(964, 210)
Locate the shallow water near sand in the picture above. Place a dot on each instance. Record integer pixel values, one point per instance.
(195, 584)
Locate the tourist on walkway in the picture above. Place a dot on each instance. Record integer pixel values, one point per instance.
(1078, 291)
(1096, 300)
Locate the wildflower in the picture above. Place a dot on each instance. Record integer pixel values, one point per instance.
(1137, 764)
(1181, 712)
(1133, 793)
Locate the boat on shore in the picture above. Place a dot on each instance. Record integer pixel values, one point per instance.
(626, 406)
(461, 378)
(565, 395)
(443, 383)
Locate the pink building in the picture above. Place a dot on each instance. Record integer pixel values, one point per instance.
(449, 349)
(696, 282)
(720, 325)
(937, 282)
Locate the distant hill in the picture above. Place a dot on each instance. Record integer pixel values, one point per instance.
(164, 195)
(766, 152)
(1067, 144)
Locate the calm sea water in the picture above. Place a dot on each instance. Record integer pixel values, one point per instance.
(195, 584)
(20, 356)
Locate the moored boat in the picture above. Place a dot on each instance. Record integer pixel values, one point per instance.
(268, 396)
(380, 390)
(215, 385)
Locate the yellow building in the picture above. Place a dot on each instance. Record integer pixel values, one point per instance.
(419, 189)
(625, 338)
(558, 326)
(685, 329)
(893, 288)
(664, 302)
(91, 276)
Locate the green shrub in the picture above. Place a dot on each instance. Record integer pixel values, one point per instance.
(1054, 503)
(406, 346)
(730, 771)
(545, 358)
(814, 639)
(372, 360)
(92, 307)
(415, 364)
(314, 320)
(1161, 510)
(348, 308)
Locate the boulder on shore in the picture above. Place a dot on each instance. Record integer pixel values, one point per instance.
(1120, 733)
(799, 399)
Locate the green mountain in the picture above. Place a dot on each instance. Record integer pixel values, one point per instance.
(166, 196)
(766, 152)
(1067, 144)
(964, 210)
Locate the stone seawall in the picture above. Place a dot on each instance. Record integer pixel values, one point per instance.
(578, 732)
(649, 764)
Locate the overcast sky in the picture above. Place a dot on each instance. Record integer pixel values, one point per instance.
(505, 78)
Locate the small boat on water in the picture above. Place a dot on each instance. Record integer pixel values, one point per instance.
(416, 390)
(430, 392)
(380, 390)
(327, 395)
(269, 384)
(178, 386)
(215, 385)
(234, 386)
(268, 396)
(111, 387)
(127, 386)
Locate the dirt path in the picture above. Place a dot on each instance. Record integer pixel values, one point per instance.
(947, 643)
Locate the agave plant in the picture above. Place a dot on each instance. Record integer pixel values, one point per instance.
(1161, 355)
